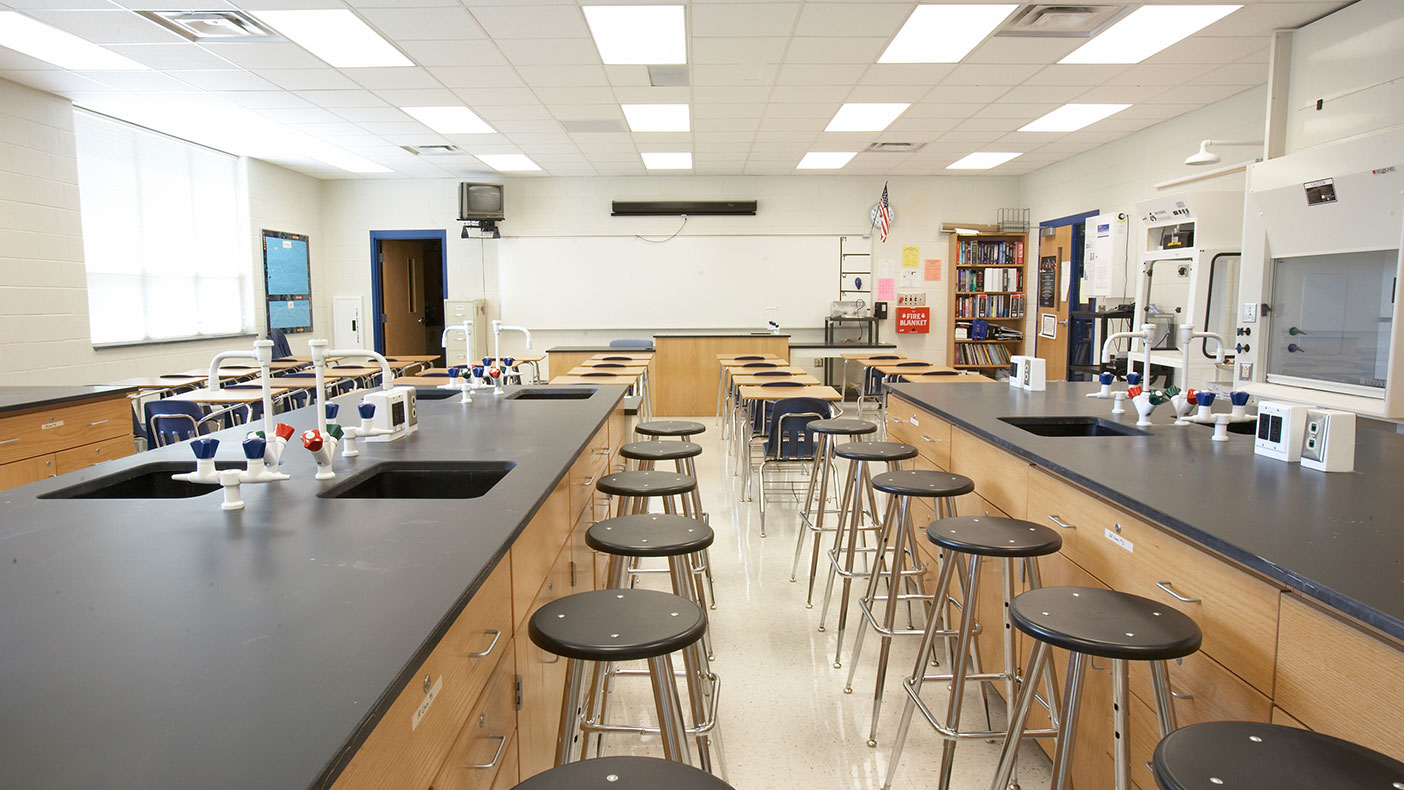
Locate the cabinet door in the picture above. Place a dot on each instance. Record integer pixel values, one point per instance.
(30, 470)
(543, 681)
(93, 454)
(480, 750)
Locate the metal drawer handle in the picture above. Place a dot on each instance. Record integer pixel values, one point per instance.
(1060, 523)
(1178, 695)
(588, 481)
(1182, 599)
(555, 659)
(925, 438)
(501, 745)
(601, 451)
(99, 422)
(11, 441)
(496, 637)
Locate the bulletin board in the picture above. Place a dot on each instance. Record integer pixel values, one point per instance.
(287, 279)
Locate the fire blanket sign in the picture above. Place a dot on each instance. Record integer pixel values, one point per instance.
(913, 320)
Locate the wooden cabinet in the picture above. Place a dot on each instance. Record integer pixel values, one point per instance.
(988, 282)
(929, 434)
(52, 440)
(480, 751)
(507, 775)
(543, 682)
(1000, 478)
(536, 549)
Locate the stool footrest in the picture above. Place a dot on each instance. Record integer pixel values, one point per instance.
(947, 732)
(885, 631)
(700, 728)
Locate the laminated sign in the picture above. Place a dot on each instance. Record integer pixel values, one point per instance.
(913, 320)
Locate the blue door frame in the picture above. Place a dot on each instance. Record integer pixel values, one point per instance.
(1077, 331)
(377, 298)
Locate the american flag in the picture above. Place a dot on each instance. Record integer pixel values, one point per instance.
(884, 214)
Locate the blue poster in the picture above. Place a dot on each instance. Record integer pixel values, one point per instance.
(285, 265)
(286, 315)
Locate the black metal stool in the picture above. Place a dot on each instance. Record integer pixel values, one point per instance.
(828, 431)
(620, 625)
(1093, 622)
(624, 773)
(974, 538)
(681, 453)
(1247, 755)
(676, 538)
(673, 429)
(850, 527)
(634, 489)
(899, 537)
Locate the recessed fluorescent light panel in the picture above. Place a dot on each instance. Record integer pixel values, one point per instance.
(981, 160)
(865, 117)
(656, 117)
(450, 120)
(51, 45)
(667, 161)
(507, 162)
(337, 36)
(1146, 31)
(943, 33)
(825, 160)
(1071, 117)
(644, 35)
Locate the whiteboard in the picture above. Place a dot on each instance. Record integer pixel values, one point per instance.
(690, 282)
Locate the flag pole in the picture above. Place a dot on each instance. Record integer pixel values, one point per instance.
(872, 220)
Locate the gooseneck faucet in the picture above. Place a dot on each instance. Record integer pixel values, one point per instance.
(320, 352)
(467, 329)
(497, 329)
(1147, 335)
(1188, 335)
(263, 354)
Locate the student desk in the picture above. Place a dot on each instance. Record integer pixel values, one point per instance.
(637, 356)
(752, 395)
(228, 396)
(159, 383)
(626, 370)
(896, 369)
(225, 373)
(742, 380)
(942, 378)
(637, 379)
(733, 357)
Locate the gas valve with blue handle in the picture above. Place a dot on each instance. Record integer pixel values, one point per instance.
(205, 472)
(255, 455)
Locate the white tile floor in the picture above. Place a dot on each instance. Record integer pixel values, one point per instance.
(784, 719)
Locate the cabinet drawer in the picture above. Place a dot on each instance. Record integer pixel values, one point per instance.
(50, 430)
(536, 548)
(30, 470)
(92, 454)
(543, 682)
(507, 776)
(1236, 610)
(930, 434)
(1338, 679)
(589, 467)
(620, 432)
(480, 750)
(411, 741)
(1001, 478)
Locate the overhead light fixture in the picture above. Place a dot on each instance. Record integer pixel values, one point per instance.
(65, 50)
(1146, 31)
(657, 117)
(1206, 157)
(638, 35)
(982, 160)
(865, 117)
(667, 161)
(825, 160)
(943, 33)
(337, 36)
(504, 163)
(1071, 117)
(450, 120)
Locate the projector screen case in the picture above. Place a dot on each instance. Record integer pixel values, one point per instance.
(678, 208)
(481, 202)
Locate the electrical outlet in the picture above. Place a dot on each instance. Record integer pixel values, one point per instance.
(1245, 371)
(1249, 314)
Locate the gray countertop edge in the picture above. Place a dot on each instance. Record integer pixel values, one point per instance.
(12, 399)
(338, 762)
(1343, 603)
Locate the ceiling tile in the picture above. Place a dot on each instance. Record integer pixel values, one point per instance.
(730, 139)
(907, 73)
(821, 111)
(551, 96)
(113, 26)
(1255, 18)
(1011, 74)
(493, 113)
(64, 83)
(454, 53)
(1234, 74)
(364, 115)
(424, 24)
(907, 127)
(943, 109)
(780, 124)
(835, 49)
(735, 74)
(171, 56)
(1157, 111)
(808, 93)
(852, 19)
(669, 95)
(563, 76)
(342, 98)
(550, 52)
(1034, 94)
(391, 78)
(225, 80)
(266, 55)
(732, 20)
(974, 124)
(1158, 74)
(263, 100)
(725, 110)
(308, 79)
(1204, 94)
(137, 81)
(628, 76)
(301, 115)
(476, 96)
(1075, 74)
(477, 76)
(546, 21)
(886, 93)
(1022, 49)
(1021, 112)
(1208, 50)
(814, 74)
(705, 95)
(419, 97)
(968, 94)
(586, 112)
(722, 51)
(1114, 94)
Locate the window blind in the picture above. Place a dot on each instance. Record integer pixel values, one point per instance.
(163, 243)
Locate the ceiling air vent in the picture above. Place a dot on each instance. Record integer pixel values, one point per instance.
(432, 150)
(668, 76)
(207, 26)
(1065, 20)
(893, 148)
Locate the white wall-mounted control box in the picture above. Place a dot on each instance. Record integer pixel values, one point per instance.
(1280, 430)
(1328, 441)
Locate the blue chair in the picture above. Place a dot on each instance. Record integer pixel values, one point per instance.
(874, 383)
(788, 439)
(642, 345)
(281, 349)
(170, 421)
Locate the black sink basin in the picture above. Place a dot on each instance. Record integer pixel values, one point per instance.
(1072, 426)
(436, 394)
(148, 481)
(552, 393)
(422, 480)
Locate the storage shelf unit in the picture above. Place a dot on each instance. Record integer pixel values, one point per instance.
(978, 261)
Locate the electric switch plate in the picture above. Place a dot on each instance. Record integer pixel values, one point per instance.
(1250, 313)
(911, 299)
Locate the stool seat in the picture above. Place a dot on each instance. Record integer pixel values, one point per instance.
(991, 536)
(1105, 623)
(842, 425)
(624, 773)
(875, 451)
(1253, 756)
(645, 484)
(617, 625)
(660, 451)
(649, 535)
(923, 483)
(670, 428)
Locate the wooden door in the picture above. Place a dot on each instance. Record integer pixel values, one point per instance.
(402, 296)
(1054, 255)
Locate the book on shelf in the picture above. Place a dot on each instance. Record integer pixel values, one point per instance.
(990, 306)
(993, 280)
(990, 252)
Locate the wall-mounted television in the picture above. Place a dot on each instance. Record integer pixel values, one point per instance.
(480, 202)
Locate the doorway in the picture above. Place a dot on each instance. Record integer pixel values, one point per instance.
(1059, 274)
(409, 273)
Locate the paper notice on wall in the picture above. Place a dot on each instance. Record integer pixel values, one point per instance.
(933, 269)
(911, 258)
(1066, 268)
(886, 289)
(887, 267)
(910, 278)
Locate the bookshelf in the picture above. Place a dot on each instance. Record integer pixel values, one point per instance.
(990, 285)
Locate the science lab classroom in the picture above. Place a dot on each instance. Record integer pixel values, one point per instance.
(701, 395)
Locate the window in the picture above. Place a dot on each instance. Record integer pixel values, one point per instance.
(163, 238)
